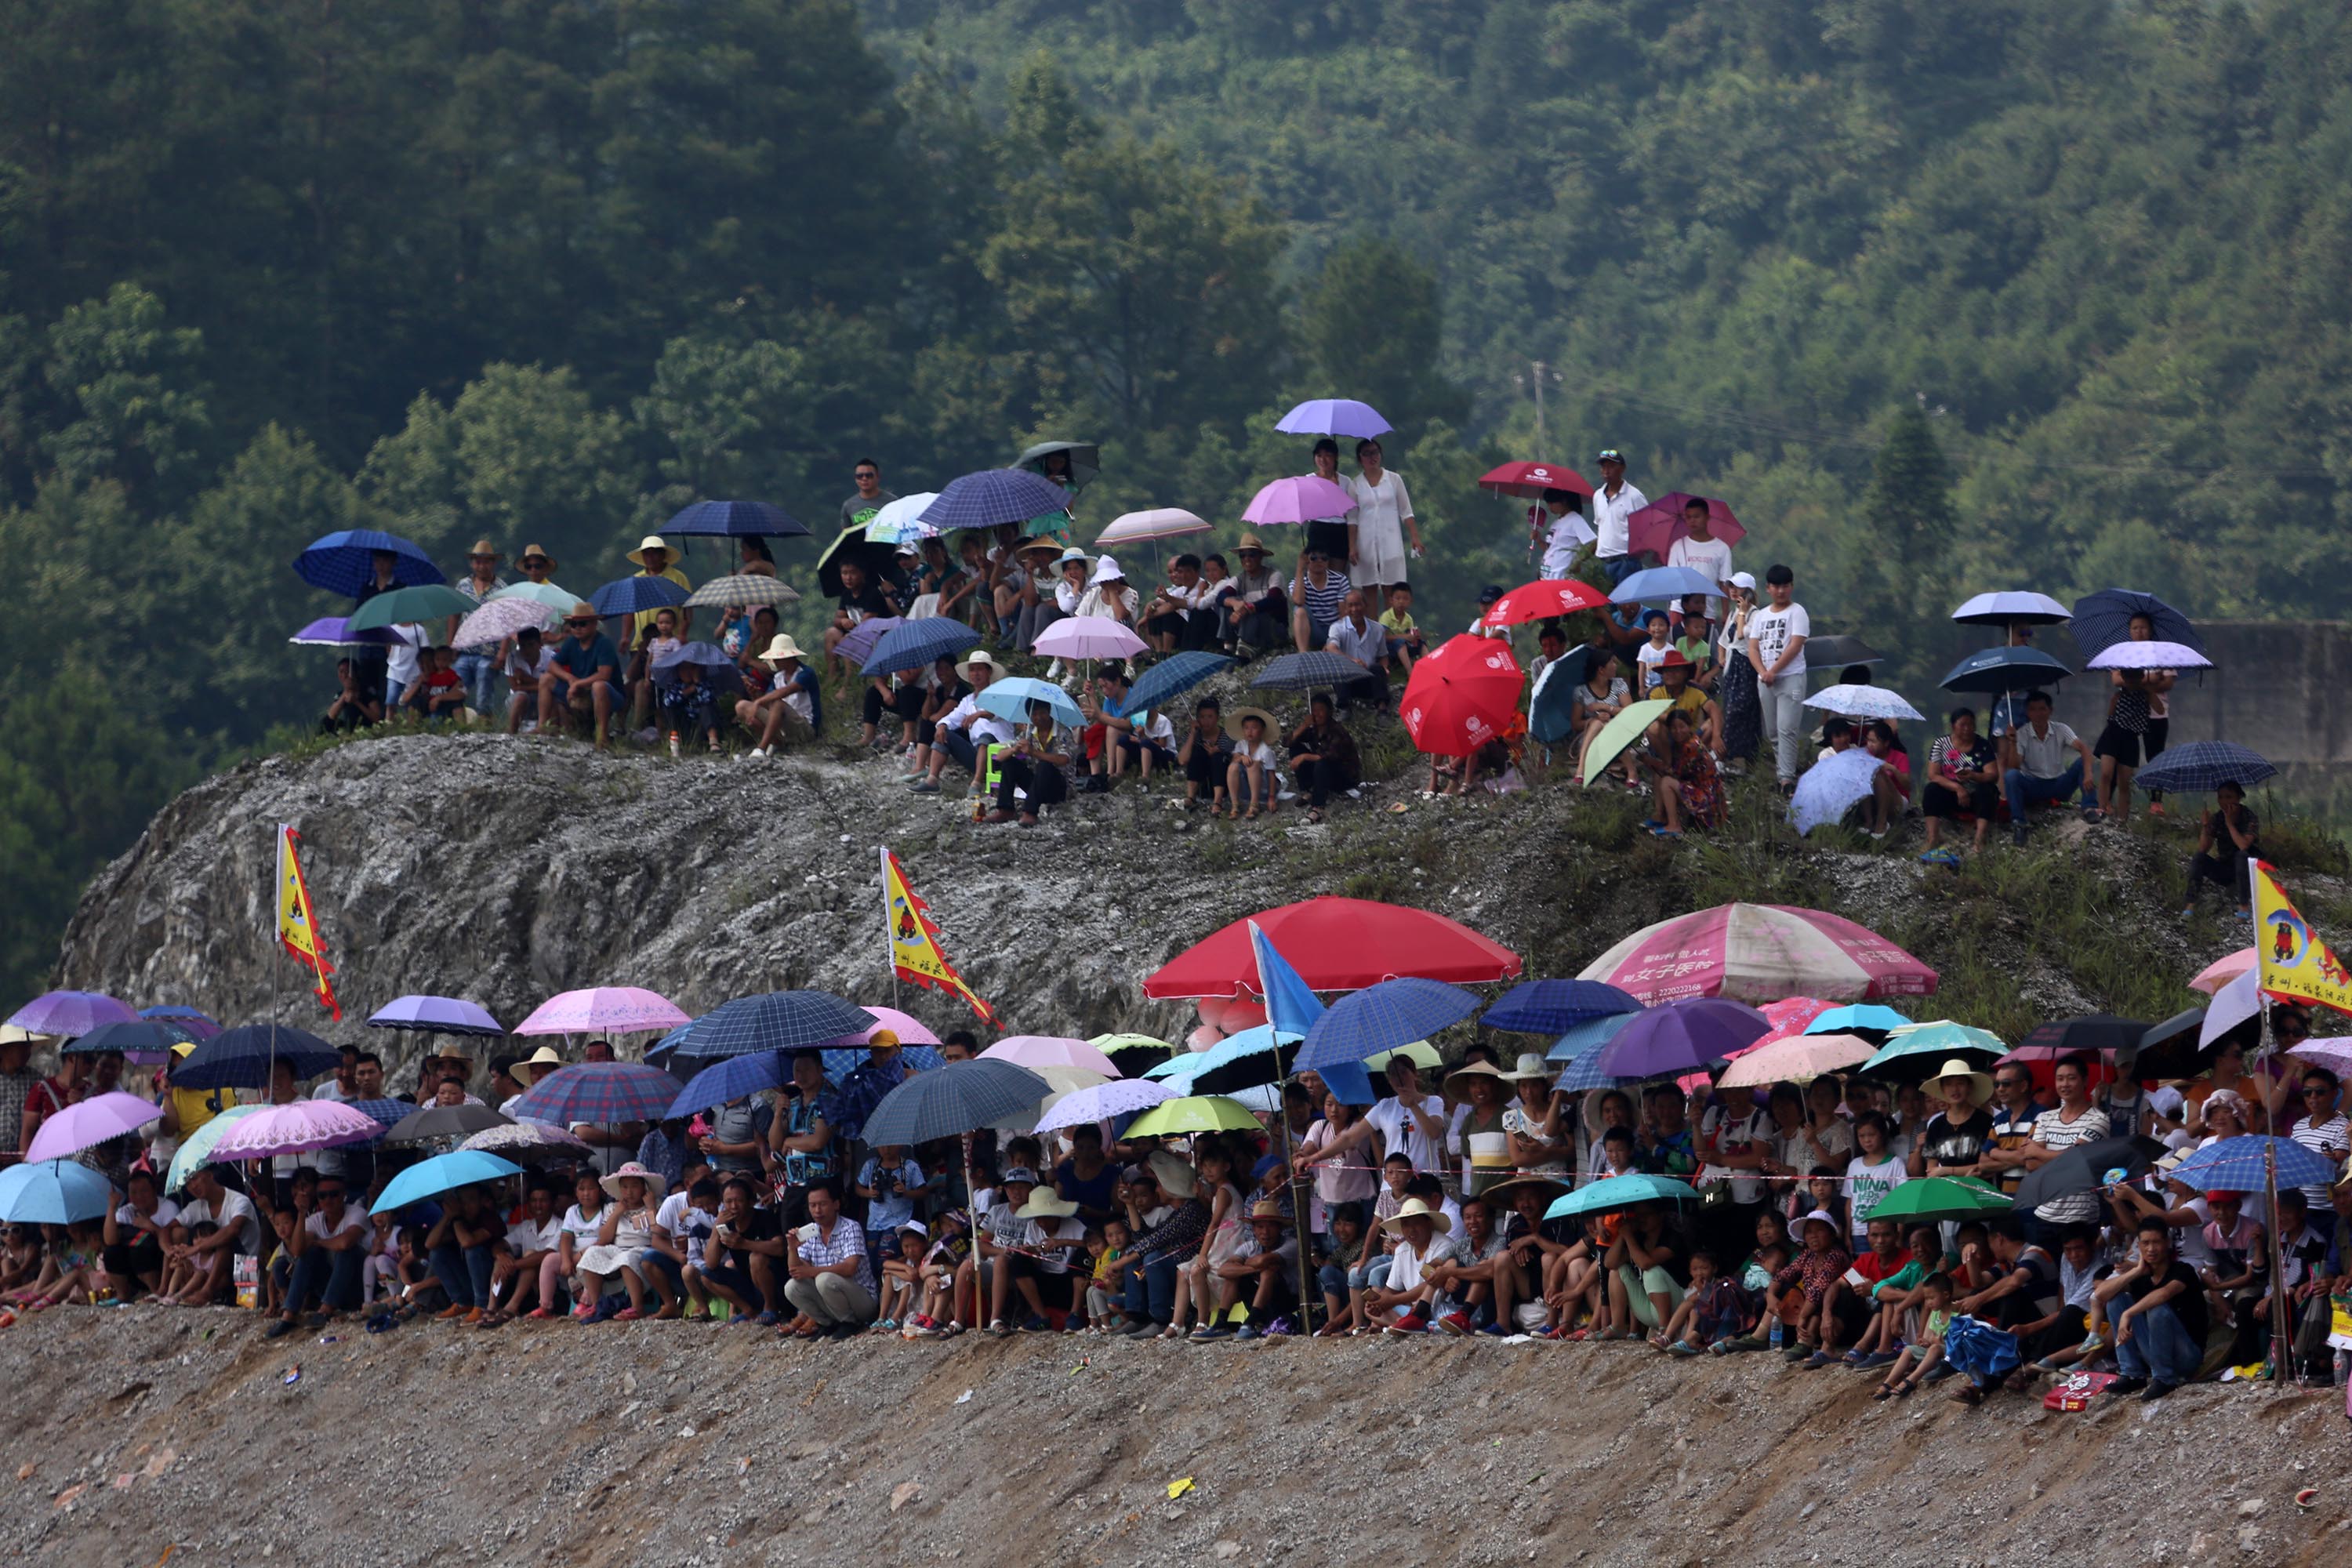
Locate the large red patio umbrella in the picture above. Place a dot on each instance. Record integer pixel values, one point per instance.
(1758, 953)
(1463, 696)
(1337, 944)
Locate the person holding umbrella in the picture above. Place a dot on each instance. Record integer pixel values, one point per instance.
(1034, 766)
(2131, 736)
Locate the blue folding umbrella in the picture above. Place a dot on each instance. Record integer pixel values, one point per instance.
(602, 1093)
(1660, 584)
(1863, 1019)
(913, 645)
(1381, 1017)
(1551, 705)
(344, 563)
(773, 1021)
(1579, 1041)
(1554, 1006)
(736, 520)
(1010, 699)
(628, 595)
(442, 1173)
(844, 1060)
(1310, 671)
(960, 1097)
(2235, 1165)
(1620, 1192)
(661, 1050)
(53, 1192)
(2104, 617)
(729, 1078)
(2000, 669)
(144, 1040)
(199, 1024)
(2016, 608)
(718, 671)
(2205, 764)
(240, 1058)
(1256, 1055)
(386, 1114)
(1334, 416)
(995, 495)
(1176, 674)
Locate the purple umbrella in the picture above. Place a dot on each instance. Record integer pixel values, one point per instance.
(69, 1013)
(90, 1123)
(437, 1016)
(611, 1009)
(1303, 497)
(335, 631)
(859, 646)
(1334, 416)
(1677, 1037)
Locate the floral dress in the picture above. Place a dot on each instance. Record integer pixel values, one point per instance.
(1701, 785)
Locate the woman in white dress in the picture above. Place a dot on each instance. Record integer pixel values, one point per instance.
(1384, 521)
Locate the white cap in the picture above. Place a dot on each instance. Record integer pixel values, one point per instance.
(1743, 580)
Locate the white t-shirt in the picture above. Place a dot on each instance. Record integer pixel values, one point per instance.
(2044, 756)
(1610, 515)
(1772, 631)
(315, 1225)
(233, 1210)
(1397, 1131)
(1406, 1265)
(582, 1228)
(528, 1236)
(1711, 558)
(1041, 1231)
(1867, 1186)
(1648, 657)
(1156, 729)
(332, 1090)
(1253, 752)
(987, 726)
(1568, 534)
(166, 1213)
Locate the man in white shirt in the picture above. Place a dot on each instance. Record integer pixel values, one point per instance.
(967, 727)
(1775, 648)
(1704, 553)
(328, 1247)
(1356, 636)
(2032, 764)
(204, 1266)
(1612, 504)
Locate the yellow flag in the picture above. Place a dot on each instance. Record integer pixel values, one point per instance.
(915, 952)
(297, 928)
(2296, 967)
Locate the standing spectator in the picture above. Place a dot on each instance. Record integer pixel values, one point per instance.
(2075, 1121)
(1335, 536)
(2227, 842)
(1384, 521)
(654, 558)
(2032, 770)
(1557, 528)
(69, 1086)
(1703, 552)
(2132, 695)
(581, 677)
(1614, 504)
(375, 662)
(869, 497)
(1743, 714)
(1776, 650)
(1961, 772)
(478, 667)
(18, 1081)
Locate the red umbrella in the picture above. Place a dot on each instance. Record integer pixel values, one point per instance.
(1531, 479)
(1337, 944)
(1656, 526)
(1463, 696)
(1543, 599)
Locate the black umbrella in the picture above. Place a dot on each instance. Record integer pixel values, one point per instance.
(2102, 1032)
(880, 561)
(1839, 649)
(240, 1058)
(444, 1122)
(1086, 459)
(2086, 1168)
(2170, 1049)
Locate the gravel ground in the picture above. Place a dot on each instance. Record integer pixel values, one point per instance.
(148, 1431)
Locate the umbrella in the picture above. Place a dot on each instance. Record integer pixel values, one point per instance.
(140, 1040)
(1392, 1013)
(1530, 480)
(632, 595)
(2148, 656)
(960, 1097)
(1660, 584)
(1543, 599)
(1302, 497)
(93, 1121)
(1037, 1051)
(878, 559)
(197, 1148)
(1336, 944)
(69, 1013)
(2335, 1055)
(429, 1122)
(913, 645)
(605, 1009)
(2203, 765)
(729, 1078)
(735, 520)
(1420, 1053)
(2236, 1165)
(1580, 1041)
(1834, 651)
(911, 1030)
(1010, 699)
(295, 1127)
(498, 619)
(1873, 1022)
(866, 635)
(1159, 522)
(1551, 705)
(1086, 459)
(2086, 1168)
(1257, 1055)
(1171, 677)
(1137, 1048)
(741, 591)
(901, 522)
(2238, 1003)
(557, 598)
(442, 1173)
(335, 631)
(2104, 617)
(773, 1021)
(1460, 696)
(995, 495)
(1620, 1192)
(1799, 1058)
(438, 1016)
(718, 671)
(1929, 1045)
(1088, 637)
(2012, 609)
(1832, 787)
(2102, 1032)
(1553, 1006)
(2223, 970)
(2004, 669)
(1655, 527)
(840, 1060)
(1940, 1198)
(1103, 1103)
(53, 1192)
(1619, 733)
(602, 1092)
(344, 563)
(1334, 416)
(1761, 953)
(387, 1113)
(1310, 671)
(200, 1024)
(1863, 702)
(528, 1142)
(1193, 1113)
(427, 602)
(240, 1058)
(1681, 1037)
(2185, 1045)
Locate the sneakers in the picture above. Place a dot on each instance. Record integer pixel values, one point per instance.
(923, 786)
(1247, 1332)
(1208, 1331)
(1033, 1324)
(1455, 1322)
(1410, 1323)
(756, 755)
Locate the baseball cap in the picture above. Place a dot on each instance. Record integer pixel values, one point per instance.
(1743, 579)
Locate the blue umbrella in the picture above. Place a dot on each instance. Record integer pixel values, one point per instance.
(387, 1113)
(2235, 1165)
(2000, 669)
(200, 1024)
(913, 645)
(145, 1040)
(718, 671)
(960, 1097)
(1554, 1006)
(1307, 671)
(1381, 1017)
(441, 1174)
(729, 1078)
(661, 1050)
(1257, 1055)
(1660, 584)
(1620, 1192)
(773, 1021)
(995, 495)
(344, 563)
(1551, 706)
(1863, 1019)
(1173, 676)
(53, 1192)
(240, 1058)
(1010, 699)
(1334, 416)
(1578, 1043)
(736, 520)
(843, 1060)
(2205, 764)
(2016, 608)
(2103, 618)
(628, 595)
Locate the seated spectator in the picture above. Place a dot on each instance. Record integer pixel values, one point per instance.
(1316, 595)
(829, 1278)
(580, 676)
(1322, 756)
(527, 664)
(1799, 1294)
(1257, 609)
(2157, 1317)
(958, 736)
(1695, 638)
(459, 1247)
(1028, 592)
(861, 598)
(1205, 754)
(1356, 637)
(1177, 616)
(1890, 786)
(1963, 774)
(1400, 1304)
(901, 695)
(354, 704)
(1709, 1315)
(1600, 696)
(328, 1243)
(216, 1227)
(2228, 841)
(437, 694)
(1034, 768)
(1403, 636)
(744, 636)
(688, 708)
(789, 696)
(739, 1262)
(1921, 1356)
(136, 1233)
(1648, 1268)
(2035, 769)
(1676, 684)
(942, 694)
(1658, 629)
(1251, 773)
(1488, 597)
(623, 1232)
(1690, 789)
(525, 1257)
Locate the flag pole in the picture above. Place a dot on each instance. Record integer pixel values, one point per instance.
(889, 934)
(2281, 1340)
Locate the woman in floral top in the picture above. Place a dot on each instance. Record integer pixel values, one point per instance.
(1799, 1289)
(1690, 791)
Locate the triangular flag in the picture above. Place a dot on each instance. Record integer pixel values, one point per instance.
(2296, 967)
(915, 952)
(298, 927)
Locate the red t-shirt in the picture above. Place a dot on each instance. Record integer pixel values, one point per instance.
(1872, 1270)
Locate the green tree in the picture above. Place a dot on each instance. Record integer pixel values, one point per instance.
(1374, 325)
(131, 405)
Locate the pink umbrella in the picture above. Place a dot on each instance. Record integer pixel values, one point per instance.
(90, 1123)
(501, 618)
(1051, 1051)
(1656, 526)
(603, 1010)
(1088, 637)
(295, 1128)
(2221, 971)
(1160, 522)
(1758, 953)
(1798, 1058)
(1302, 498)
(909, 1030)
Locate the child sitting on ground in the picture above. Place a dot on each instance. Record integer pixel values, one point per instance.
(688, 708)
(20, 1259)
(937, 1276)
(901, 1278)
(1710, 1313)
(1925, 1353)
(1106, 1299)
(380, 1272)
(1340, 1258)
(69, 1262)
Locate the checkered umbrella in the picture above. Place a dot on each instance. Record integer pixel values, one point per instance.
(1314, 671)
(774, 1021)
(958, 1099)
(742, 592)
(601, 1093)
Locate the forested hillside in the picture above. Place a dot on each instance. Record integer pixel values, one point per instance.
(544, 271)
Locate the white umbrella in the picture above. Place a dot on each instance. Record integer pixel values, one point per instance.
(900, 522)
(1104, 1101)
(2148, 656)
(1160, 522)
(2232, 1004)
(1831, 788)
(560, 600)
(499, 619)
(1863, 702)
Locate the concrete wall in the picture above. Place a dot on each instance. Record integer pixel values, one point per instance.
(2282, 688)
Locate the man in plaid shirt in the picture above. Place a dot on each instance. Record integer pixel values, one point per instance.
(830, 1281)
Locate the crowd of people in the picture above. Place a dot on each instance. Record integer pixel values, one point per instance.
(1428, 1211)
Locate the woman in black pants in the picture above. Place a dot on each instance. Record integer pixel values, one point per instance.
(1203, 753)
(1323, 755)
(1034, 765)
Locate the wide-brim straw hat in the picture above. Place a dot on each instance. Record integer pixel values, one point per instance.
(545, 1060)
(1551, 1187)
(484, 547)
(655, 1182)
(1045, 1205)
(1458, 1082)
(1251, 542)
(1266, 1208)
(1979, 1083)
(652, 541)
(1415, 1209)
(1260, 714)
(782, 648)
(1176, 1178)
(536, 553)
(1531, 1065)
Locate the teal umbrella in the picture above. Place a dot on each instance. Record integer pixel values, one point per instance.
(196, 1148)
(430, 1178)
(1939, 1039)
(1621, 1192)
(426, 602)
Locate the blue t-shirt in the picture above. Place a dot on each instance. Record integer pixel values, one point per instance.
(889, 1212)
(584, 661)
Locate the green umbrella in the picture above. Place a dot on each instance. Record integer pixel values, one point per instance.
(426, 602)
(1619, 733)
(1421, 1053)
(196, 1148)
(1193, 1113)
(1941, 1197)
(1936, 1040)
(560, 600)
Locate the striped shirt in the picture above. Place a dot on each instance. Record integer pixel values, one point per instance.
(1322, 604)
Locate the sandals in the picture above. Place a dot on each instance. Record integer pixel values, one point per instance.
(628, 1315)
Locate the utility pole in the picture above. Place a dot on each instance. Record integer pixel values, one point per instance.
(1538, 367)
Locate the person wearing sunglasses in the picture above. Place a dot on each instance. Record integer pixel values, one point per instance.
(580, 676)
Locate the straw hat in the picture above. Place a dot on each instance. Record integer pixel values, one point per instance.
(528, 1070)
(1266, 1208)
(655, 1182)
(582, 610)
(1471, 1071)
(1551, 1187)
(1043, 1205)
(534, 553)
(1979, 1083)
(1175, 1177)
(782, 648)
(484, 547)
(1415, 1209)
(1531, 1065)
(651, 541)
(981, 659)
(1027, 542)
(1260, 714)
(1250, 542)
